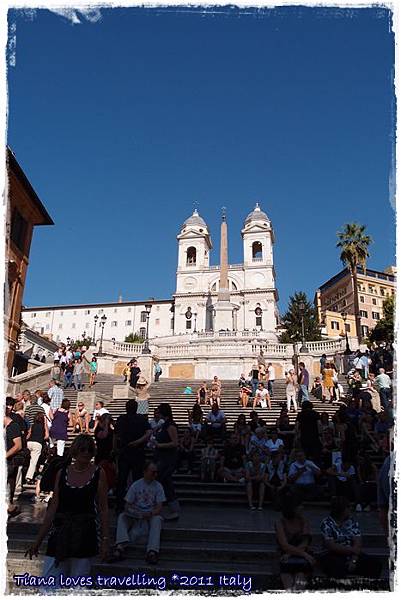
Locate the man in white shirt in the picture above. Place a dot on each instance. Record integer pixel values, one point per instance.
(271, 371)
(262, 397)
(302, 477)
(383, 383)
(141, 517)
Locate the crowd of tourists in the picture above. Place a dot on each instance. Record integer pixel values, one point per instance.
(344, 457)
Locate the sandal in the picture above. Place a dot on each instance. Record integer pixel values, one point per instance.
(152, 557)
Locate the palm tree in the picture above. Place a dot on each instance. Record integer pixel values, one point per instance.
(354, 244)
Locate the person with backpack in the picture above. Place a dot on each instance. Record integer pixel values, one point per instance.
(158, 371)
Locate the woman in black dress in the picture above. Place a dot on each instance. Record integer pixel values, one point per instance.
(80, 494)
(166, 456)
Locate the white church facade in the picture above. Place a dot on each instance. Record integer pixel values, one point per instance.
(250, 300)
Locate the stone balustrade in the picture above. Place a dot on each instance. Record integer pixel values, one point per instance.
(37, 378)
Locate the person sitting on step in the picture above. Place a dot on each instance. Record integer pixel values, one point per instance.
(202, 393)
(81, 419)
(262, 397)
(255, 476)
(293, 533)
(141, 516)
(242, 429)
(258, 443)
(195, 420)
(216, 421)
(232, 460)
(342, 539)
(186, 454)
(209, 456)
(215, 396)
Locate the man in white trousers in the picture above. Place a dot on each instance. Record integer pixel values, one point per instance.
(141, 517)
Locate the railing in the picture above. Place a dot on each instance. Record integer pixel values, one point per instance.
(325, 346)
(234, 346)
(32, 379)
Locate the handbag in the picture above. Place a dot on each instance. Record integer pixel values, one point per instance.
(21, 459)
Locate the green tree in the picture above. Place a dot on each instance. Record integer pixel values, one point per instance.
(292, 320)
(384, 330)
(134, 338)
(354, 245)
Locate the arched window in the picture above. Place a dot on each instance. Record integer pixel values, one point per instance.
(257, 251)
(191, 256)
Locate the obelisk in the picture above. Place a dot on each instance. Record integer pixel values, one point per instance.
(223, 308)
(224, 293)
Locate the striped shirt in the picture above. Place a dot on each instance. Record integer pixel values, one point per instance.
(31, 411)
(56, 396)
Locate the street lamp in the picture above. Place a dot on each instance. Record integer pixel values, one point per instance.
(84, 336)
(195, 314)
(102, 324)
(303, 349)
(145, 348)
(68, 340)
(347, 348)
(95, 318)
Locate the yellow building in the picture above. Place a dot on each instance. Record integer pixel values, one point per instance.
(335, 298)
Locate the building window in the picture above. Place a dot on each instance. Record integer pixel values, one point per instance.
(335, 325)
(74, 313)
(87, 312)
(47, 327)
(363, 313)
(61, 313)
(375, 316)
(191, 256)
(188, 324)
(127, 323)
(129, 309)
(60, 326)
(362, 298)
(115, 310)
(258, 316)
(114, 323)
(157, 321)
(47, 314)
(172, 323)
(19, 228)
(382, 292)
(33, 314)
(142, 332)
(157, 307)
(87, 325)
(144, 315)
(365, 330)
(257, 251)
(374, 301)
(73, 326)
(101, 311)
(347, 327)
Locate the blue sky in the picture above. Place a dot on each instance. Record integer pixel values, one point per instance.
(122, 125)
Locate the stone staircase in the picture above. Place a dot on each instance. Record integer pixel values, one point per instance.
(207, 545)
(216, 534)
